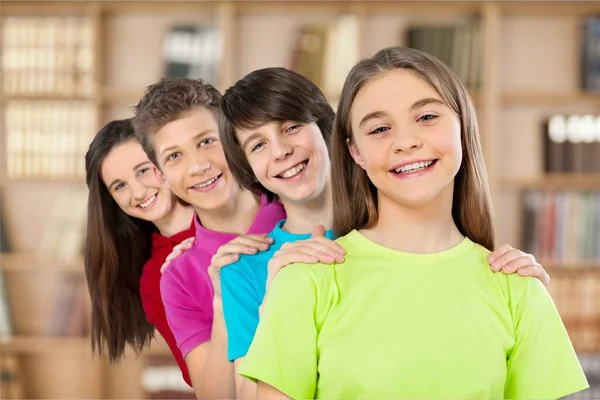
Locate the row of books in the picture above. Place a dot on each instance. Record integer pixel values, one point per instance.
(325, 53)
(572, 143)
(192, 51)
(590, 55)
(459, 46)
(48, 55)
(48, 138)
(563, 226)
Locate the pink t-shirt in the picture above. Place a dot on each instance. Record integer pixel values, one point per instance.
(186, 288)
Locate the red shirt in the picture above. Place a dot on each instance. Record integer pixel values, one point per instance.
(150, 291)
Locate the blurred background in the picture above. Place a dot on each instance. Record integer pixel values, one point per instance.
(533, 71)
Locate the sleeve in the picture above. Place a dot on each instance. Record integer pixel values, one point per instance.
(284, 351)
(155, 314)
(542, 363)
(185, 299)
(241, 303)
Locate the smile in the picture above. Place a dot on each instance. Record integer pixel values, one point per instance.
(207, 183)
(148, 202)
(414, 167)
(292, 172)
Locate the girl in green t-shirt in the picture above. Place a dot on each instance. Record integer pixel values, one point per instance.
(414, 311)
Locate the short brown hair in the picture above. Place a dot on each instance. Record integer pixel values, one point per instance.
(168, 100)
(267, 95)
(356, 196)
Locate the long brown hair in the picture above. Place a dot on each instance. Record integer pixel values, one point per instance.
(116, 249)
(262, 96)
(356, 207)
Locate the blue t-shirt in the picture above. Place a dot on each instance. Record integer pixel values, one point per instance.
(243, 286)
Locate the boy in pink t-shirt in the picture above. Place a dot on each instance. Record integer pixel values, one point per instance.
(176, 123)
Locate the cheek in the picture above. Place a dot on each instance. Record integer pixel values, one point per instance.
(259, 165)
(122, 200)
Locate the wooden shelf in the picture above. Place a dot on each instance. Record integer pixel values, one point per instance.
(550, 8)
(45, 96)
(45, 344)
(42, 181)
(570, 268)
(119, 96)
(561, 181)
(538, 98)
(31, 262)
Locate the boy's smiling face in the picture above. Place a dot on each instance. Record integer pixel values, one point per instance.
(191, 158)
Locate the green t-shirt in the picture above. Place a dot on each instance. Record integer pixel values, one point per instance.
(386, 324)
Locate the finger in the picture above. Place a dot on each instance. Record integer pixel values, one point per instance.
(187, 242)
(509, 257)
(220, 262)
(319, 230)
(323, 241)
(173, 255)
(234, 248)
(164, 267)
(536, 271)
(499, 252)
(295, 254)
(255, 242)
(517, 264)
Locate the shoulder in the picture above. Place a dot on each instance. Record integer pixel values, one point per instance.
(317, 276)
(187, 269)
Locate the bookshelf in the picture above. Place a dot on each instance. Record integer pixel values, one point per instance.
(530, 70)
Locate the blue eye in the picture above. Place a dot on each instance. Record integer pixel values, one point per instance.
(142, 172)
(428, 117)
(379, 130)
(293, 128)
(172, 156)
(119, 186)
(206, 142)
(258, 146)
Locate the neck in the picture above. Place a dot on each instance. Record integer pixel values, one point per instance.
(236, 216)
(179, 219)
(421, 229)
(305, 216)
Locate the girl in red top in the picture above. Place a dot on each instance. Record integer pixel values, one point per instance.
(134, 222)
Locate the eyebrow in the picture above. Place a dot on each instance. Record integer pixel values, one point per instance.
(140, 164)
(113, 183)
(426, 101)
(173, 147)
(417, 104)
(249, 139)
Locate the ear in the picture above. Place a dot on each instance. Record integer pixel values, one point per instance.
(161, 177)
(355, 153)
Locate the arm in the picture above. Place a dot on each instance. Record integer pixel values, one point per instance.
(542, 363)
(245, 389)
(197, 324)
(212, 375)
(266, 391)
(284, 350)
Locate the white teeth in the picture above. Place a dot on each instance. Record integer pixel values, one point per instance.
(148, 202)
(418, 166)
(293, 171)
(206, 183)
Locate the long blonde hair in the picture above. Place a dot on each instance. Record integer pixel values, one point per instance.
(356, 207)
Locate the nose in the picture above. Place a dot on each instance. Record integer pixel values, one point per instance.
(198, 164)
(139, 190)
(280, 150)
(406, 141)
